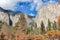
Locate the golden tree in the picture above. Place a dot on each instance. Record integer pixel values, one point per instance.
(29, 37)
(19, 36)
(53, 34)
(58, 20)
(38, 37)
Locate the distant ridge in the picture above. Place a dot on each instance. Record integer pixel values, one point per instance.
(9, 12)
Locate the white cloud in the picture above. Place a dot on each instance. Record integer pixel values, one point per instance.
(31, 14)
(37, 4)
(8, 4)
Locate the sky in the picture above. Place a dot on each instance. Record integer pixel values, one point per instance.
(29, 9)
(12, 4)
(8, 4)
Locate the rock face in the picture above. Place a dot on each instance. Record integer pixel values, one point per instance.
(49, 11)
(6, 14)
(14, 19)
(46, 12)
(4, 17)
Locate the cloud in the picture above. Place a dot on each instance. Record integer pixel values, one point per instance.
(9, 4)
(6, 4)
(31, 14)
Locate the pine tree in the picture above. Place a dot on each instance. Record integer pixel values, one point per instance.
(28, 30)
(1, 23)
(33, 26)
(42, 28)
(49, 25)
(54, 25)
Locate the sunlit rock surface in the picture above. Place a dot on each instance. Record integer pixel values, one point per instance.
(15, 19)
(5, 14)
(4, 17)
(49, 11)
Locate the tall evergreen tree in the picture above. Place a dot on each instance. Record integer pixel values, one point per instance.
(33, 26)
(49, 25)
(54, 25)
(42, 28)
